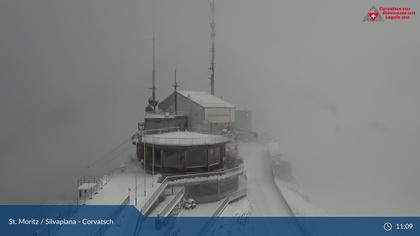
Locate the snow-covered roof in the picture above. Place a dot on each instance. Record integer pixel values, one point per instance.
(205, 99)
(86, 186)
(184, 138)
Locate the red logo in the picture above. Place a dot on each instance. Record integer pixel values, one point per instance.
(373, 15)
(389, 13)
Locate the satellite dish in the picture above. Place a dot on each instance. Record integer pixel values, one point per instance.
(149, 108)
(153, 102)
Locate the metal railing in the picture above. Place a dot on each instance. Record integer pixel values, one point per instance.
(195, 177)
(143, 136)
(168, 208)
(185, 140)
(221, 207)
(151, 200)
(88, 179)
(231, 197)
(84, 194)
(168, 179)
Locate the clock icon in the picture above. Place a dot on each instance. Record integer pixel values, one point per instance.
(387, 226)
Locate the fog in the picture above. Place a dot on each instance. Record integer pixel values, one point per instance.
(340, 95)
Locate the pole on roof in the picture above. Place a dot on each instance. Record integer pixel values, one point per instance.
(175, 95)
(212, 68)
(154, 72)
(152, 100)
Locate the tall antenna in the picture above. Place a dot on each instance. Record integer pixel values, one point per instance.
(175, 95)
(154, 72)
(212, 68)
(152, 101)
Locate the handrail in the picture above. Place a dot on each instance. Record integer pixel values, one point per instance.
(237, 194)
(204, 178)
(219, 172)
(166, 210)
(233, 196)
(221, 208)
(149, 202)
(88, 179)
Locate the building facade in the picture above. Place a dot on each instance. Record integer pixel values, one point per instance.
(204, 111)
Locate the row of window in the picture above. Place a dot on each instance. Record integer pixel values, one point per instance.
(180, 159)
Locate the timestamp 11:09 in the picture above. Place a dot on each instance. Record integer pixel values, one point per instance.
(404, 226)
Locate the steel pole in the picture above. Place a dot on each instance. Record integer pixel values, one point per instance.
(135, 189)
(144, 164)
(153, 162)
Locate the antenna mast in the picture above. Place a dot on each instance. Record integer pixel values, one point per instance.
(152, 100)
(212, 68)
(175, 95)
(154, 73)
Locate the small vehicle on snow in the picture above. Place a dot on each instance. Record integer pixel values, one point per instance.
(189, 203)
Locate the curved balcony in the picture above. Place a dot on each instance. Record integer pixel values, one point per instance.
(184, 138)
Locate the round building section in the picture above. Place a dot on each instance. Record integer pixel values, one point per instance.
(182, 151)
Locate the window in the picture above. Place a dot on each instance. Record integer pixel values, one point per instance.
(214, 155)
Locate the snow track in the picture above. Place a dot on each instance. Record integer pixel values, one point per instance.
(263, 195)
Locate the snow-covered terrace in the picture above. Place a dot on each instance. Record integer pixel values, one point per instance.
(116, 188)
(184, 138)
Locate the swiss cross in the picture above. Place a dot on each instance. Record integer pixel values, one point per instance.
(373, 15)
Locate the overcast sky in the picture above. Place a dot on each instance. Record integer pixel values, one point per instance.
(341, 95)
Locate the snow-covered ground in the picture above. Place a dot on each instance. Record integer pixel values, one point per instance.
(297, 202)
(116, 189)
(284, 180)
(263, 195)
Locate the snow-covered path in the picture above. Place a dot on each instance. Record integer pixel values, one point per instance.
(262, 194)
(206, 209)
